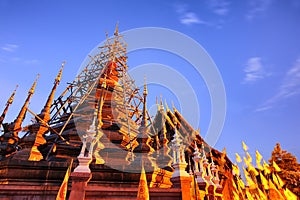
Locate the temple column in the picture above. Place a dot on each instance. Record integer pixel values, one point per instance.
(82, 173)
(79, 183)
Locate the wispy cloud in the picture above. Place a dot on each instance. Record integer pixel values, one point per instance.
(219, 7)
(254, 70)
(18, 60)
(10, 47)
(290, 86)
(257, 7)
(188, 17)
(12, 57)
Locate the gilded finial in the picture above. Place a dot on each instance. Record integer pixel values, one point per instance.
(9, 101)
(160, 105)
(156, 101)
(11, 98)
(145, 87)
(167, 107)
(116, 33)
(144, 114)
(58, 77)
(31, 91)
(161, 101)
(18, 121)
(173, 106)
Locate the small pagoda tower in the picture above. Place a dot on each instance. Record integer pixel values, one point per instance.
(9, 140)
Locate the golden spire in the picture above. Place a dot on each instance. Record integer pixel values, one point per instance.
(8, 103)
(58, 77)
(144, 119)
(31, 91)
(116, 33)
(11, 98)
(18, 121)
(173, 107)
(161, 103)
(145, 88)
(160, 106)
(167, 107)
(46, 110)
(44, 117)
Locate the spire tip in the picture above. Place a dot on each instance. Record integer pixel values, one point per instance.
(116, 33)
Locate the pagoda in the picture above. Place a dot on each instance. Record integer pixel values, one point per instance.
(100, 129)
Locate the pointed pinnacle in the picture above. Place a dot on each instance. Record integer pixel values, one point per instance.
(167, 107)
(58, 77)
(145, 87)
(158, 106)
(11, 98)
(116, 33)
(173, 106)
(18, 121)
(31, 91)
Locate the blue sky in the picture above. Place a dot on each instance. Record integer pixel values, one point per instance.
(254, 44)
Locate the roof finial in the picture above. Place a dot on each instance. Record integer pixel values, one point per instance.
(173, 106)
(18, 121)
(145, 87)
(144, 119)
(58, 77)
(46, 109)
(11, 98)
(44, 117)
(9, 101)
(167, 107)
(31, 91)
(116, 33)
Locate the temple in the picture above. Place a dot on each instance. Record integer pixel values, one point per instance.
(97, 140)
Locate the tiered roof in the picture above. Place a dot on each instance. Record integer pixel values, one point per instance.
(103, 93)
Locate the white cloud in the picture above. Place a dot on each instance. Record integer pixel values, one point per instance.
(257, 7)
(219, 7)
(290, 86)
(254, 70)
(18, 60)
(187, 17)
(10, 47)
